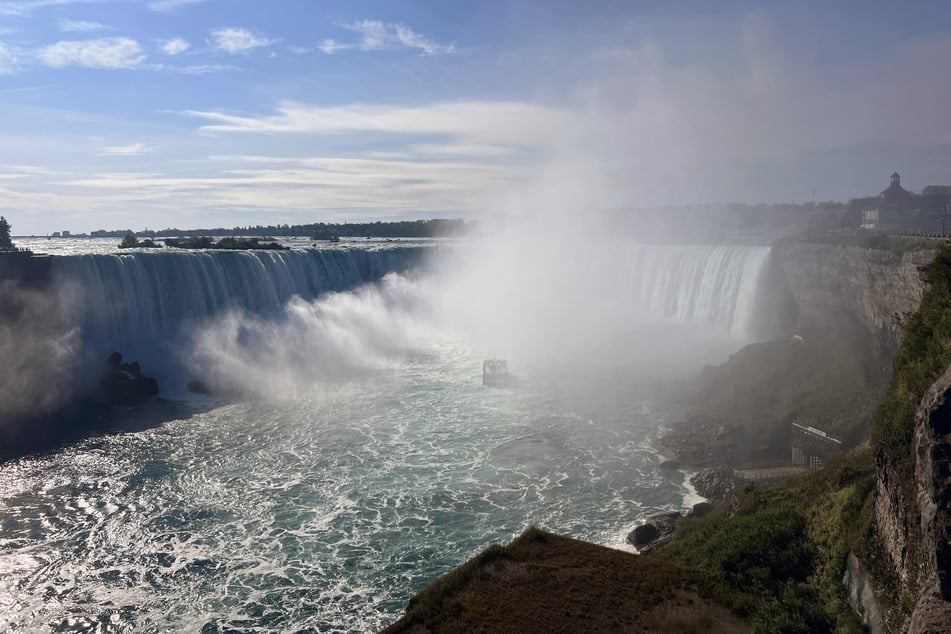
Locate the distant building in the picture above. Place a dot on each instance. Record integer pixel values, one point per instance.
(898, 209)
(811, 446)
(66, 234)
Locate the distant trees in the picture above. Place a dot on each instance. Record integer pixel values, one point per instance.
(6, 244)
(129, 241)
(436, 228)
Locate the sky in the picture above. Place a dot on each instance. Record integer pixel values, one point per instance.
(139, 114)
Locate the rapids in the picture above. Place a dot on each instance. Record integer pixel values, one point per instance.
(326, 500)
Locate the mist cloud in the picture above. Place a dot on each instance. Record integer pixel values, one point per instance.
(38, 353)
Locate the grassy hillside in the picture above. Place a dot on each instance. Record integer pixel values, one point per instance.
(924, 355)
(784, 549)
(545, 583)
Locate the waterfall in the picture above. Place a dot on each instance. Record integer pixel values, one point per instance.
(706, 285)
(137, 302)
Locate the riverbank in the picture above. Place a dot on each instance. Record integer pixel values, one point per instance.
(543, 582)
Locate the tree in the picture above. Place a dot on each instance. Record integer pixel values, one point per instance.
(129, 241)
(5, 243)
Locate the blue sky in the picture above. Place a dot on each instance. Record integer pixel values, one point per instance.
(202, 113)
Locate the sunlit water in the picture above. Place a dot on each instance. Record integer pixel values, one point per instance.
(322, 514)
(99, 246)
(369, 459)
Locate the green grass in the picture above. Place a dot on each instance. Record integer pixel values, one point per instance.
(813, 521)
(924, 354)
(782, 552)
(897, 245)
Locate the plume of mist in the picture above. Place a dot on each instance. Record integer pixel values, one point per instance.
(553, 282)
(335, 336)
(549, 287)
(38, 354)
(549, 284)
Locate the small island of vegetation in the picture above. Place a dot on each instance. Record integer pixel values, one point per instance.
(129, 241)
(233, 244)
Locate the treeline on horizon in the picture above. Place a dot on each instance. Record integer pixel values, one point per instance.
(435, 228)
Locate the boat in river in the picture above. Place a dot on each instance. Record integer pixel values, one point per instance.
(495, 372)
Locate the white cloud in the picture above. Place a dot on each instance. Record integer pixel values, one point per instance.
(23, 7)
(171, 5)
(192, 69)
(411, 39)
(133, 149)
(107, 52)
(83, 26)
(330, 46)
(175, 46)
(204, 69)
(475, 122)
(8, 60)
(341, 185)
(376, 35)
(233, 40)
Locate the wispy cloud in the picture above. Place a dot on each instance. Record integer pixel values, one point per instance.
(133, 149)
(376, 35)
(23, 7)
(107, 52)
(83, 26)
(171, 5)
(8, 60)
(175, 46)
(342, 185)
(234, 40)
(193, 69)
(331, 46)
(481, 122)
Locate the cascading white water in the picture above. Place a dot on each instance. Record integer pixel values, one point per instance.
(697, 284)
(134, 302)
(326, 511)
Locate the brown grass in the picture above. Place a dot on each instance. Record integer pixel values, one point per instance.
(542, 582)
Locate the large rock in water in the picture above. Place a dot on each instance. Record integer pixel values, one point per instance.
(656, 531)
(124, 384)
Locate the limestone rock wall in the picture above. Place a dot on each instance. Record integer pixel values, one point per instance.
(933, 479)
(862, 596)
(836, 286)
(916, 534)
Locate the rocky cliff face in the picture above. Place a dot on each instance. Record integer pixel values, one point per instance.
(933, 476)
(841, 287)
(916, 533)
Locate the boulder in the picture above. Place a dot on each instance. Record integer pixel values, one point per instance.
(655, 532)
(124, 384)
(716, 484)
(643, 535)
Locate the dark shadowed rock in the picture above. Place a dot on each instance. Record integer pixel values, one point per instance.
(656, 531)
(716, 484)
(932, 613)
(124, 384)
(199, 387)
(643, 535)
(701, 509)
